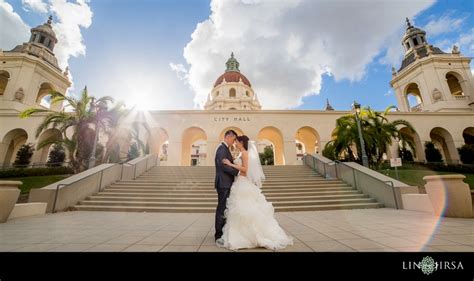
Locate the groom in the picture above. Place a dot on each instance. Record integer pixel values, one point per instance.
(223, 182)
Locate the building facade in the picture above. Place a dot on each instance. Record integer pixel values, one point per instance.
(441, 84)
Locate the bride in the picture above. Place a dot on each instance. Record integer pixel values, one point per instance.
(250, 220)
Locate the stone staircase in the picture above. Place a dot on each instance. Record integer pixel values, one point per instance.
(191, 189)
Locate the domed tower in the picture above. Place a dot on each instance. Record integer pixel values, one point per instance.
(29, 72)
(430, 79)
(41, 44)
(232, 90)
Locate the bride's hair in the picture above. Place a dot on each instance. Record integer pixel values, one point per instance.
(244, 140)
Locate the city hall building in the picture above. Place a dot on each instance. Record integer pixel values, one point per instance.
(434, 90)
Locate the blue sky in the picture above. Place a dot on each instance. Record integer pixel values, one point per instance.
(131, 45)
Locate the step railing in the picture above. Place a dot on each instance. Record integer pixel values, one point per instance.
(68, 192)
(355, 175)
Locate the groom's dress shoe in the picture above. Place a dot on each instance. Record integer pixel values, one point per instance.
(220, 242)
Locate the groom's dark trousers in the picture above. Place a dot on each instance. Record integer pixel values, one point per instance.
(223, 183)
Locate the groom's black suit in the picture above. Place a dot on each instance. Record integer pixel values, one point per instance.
(223, 182)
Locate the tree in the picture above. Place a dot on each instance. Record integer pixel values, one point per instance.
(466, 152)
(266, 158)
(56, 156)
(377, 131)
(133, 152)
(405, 154)
(328, 151)
(87, 115)
(432, 153)
(23, 155)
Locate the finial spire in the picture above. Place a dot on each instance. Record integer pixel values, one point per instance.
(408, 23)
(328, 106)
(50, 19)
(232, 64)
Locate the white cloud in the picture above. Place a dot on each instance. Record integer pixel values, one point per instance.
(13, 31)
(284, 47)
(444, 24)
(466, 42)
(35, 5)
(71, 16)
(180, 71)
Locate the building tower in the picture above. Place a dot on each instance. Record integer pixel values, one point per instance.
(232, 90)
(431, 80)
(30, 71)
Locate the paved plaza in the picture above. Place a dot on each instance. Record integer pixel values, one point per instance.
(371, 230)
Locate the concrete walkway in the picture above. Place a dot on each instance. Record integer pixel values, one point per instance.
(319, 231)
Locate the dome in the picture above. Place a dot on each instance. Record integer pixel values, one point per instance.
(46, 28)
(232, 76)
(232, 73)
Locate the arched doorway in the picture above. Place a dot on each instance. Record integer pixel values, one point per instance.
(275, 137)
(4, 77)
(468, 135)
(443, 140)
(41, 155)
(159, 141)
(194, 150)
(419, 153)
(453, 84)
(12, 141)
(309, 138)
(413, 97)
(44, 95)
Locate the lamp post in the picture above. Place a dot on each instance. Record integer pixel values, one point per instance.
(365, 160)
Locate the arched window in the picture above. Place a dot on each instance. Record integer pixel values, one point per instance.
(232, 93)
(247, 93)
(413, 96)
(454, 85)
(4, 76)
(44, 95)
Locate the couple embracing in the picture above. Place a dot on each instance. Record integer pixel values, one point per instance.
(244, 218)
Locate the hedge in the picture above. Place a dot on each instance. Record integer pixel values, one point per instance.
(29, 172)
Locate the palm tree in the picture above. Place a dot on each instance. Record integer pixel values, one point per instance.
(86, 116)
(378, 133)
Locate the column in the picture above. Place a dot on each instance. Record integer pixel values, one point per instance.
(174, 153)
(211, 152)
(289, 152)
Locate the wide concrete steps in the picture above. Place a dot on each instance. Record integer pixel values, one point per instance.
(191, 189)
(187, 209)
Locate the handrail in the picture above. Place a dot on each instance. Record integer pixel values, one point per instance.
(337, 162)
(68, 184)
(101, 176)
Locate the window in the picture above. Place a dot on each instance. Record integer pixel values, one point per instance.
(454, 85)
(34, 38)
(422, 39)
(42, 38)
(232, 93)
(415, 41)
(408, 45)
(247, 93)
(4, 76)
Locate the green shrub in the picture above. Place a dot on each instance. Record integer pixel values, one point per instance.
(23, 155)
(466, 152)
(432, 153)
(29, 172)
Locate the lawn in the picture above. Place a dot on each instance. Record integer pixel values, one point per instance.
(415, 177)
(36, 182)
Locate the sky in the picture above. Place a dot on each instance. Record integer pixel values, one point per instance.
(164, 54)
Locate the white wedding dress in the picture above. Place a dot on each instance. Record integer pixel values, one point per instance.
(250, 218)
